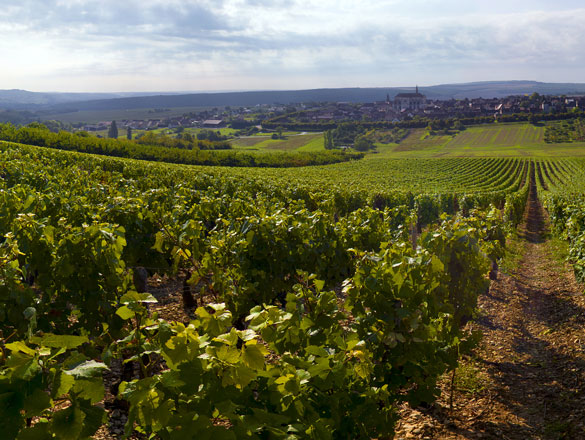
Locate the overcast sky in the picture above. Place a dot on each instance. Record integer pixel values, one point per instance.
(193, 45)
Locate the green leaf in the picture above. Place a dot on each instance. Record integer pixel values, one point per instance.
(247, 335)
(363, 369)
(230, 338)
(92, 390)
(158, 243)
(319, 284)
(172, 379)
(40, 431)
(132, 296)
(221, 433)
(67, 342)
(253, 356)
(23, 366)
(303, 376)
(62, 384)
(36, 403)
(68, 423)
(244, 376)
(317, 351)
(87, 369)
(218, 307)
(228, 354)
(320, 367)
(20, 346)
(125, 313)
(250, 237)
(11, 418)
(94, 418)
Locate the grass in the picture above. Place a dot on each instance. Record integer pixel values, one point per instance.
(469, 379)
(559, 251)
(301, 142)
(317, 143)
(284, 133)
(514, 251)
(247, 142)
(495, 140)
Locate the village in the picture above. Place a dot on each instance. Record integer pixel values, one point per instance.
(404, 106)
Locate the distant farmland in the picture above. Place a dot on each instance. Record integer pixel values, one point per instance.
(300, 142)
(499, 136)
(507, 140)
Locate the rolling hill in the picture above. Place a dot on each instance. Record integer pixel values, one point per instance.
(71, 102)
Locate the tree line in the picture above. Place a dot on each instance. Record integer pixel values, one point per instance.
(39, 135)
(285, 122)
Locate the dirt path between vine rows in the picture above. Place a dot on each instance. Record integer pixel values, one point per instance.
(526, 380)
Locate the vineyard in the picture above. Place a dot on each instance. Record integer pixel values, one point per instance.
(561, 184)
(319, 298)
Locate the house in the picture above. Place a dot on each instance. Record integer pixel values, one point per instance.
(213, 123)
(410, 101)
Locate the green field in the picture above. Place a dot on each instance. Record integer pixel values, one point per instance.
(498, 140)
(506, 140)
(292, 142)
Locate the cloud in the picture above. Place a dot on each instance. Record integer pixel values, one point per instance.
(277, 42)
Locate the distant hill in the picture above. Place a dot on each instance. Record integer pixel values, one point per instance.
(500, 89)
(25, 100)
(72, 102)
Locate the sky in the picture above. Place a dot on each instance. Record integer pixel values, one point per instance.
(184, 45)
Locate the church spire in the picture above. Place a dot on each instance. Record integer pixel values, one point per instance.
(417, 88)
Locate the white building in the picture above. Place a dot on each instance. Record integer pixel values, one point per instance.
(410, 101)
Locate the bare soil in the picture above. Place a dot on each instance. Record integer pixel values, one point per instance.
(526, 380)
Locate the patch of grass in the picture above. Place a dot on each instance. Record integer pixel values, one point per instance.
(469, 379)
(246, 142)
(284, 133)
(559, 251)
(514, 251)
(317, 143)
(302, 142)
(290, 143)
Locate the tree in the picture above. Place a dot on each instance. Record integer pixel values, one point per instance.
(129, 133)
(328, 140)
(113, 131)
(458, 125)
(363, 144)
(186, 137)
(56, 126)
